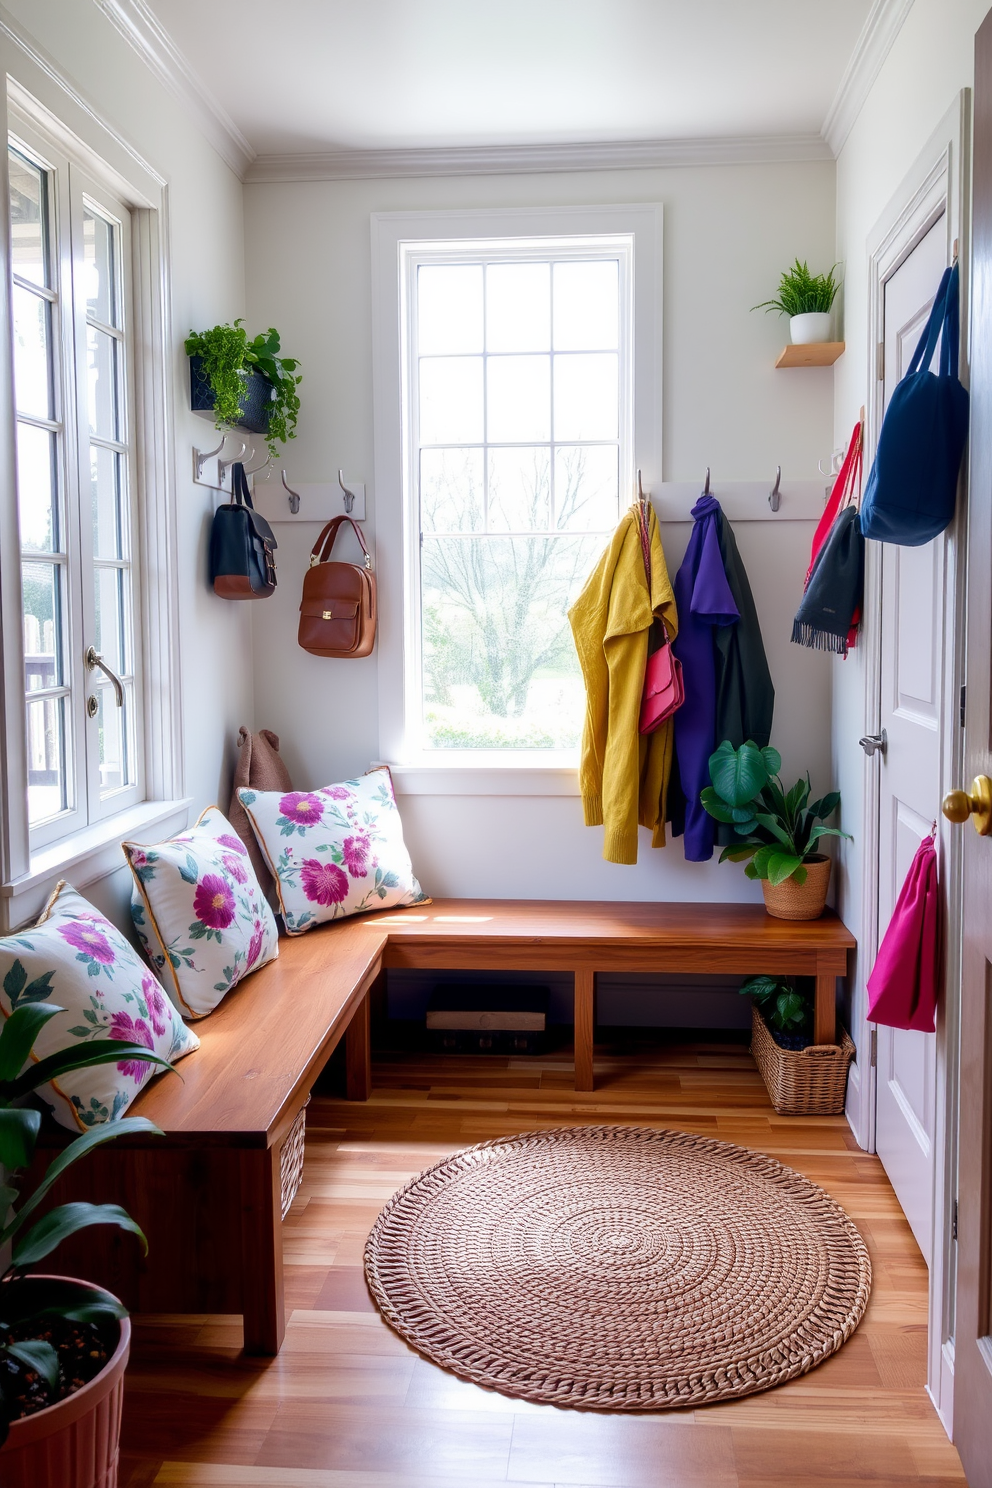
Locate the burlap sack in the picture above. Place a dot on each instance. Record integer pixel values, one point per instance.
(259, 766)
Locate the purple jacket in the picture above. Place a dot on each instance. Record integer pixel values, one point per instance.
(703, 600)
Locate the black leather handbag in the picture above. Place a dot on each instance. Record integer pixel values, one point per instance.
(242, 546)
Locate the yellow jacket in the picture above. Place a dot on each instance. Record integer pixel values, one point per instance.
(623, 775)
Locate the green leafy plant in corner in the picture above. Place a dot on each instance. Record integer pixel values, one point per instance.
(784, 1006)
(780, 829)
(228, 356)
(800, 292)
(29, 1305)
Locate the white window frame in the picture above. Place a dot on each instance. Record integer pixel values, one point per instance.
(73, 191)
(38, 104)
(400, 241)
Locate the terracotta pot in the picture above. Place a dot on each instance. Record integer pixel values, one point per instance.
(794, 901)
(76, 1443)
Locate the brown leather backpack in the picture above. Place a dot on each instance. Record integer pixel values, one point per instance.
(338, 609)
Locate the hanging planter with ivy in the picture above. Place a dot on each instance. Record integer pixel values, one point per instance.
(244, 382)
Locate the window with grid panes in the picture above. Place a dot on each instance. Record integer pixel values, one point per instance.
(519, 432)
(69, 263)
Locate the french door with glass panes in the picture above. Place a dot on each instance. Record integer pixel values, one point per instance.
(70, 258)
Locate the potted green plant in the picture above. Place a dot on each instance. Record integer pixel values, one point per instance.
(780, 830)
(247, 382)
(786, 1004)
(807, 300)
(63, 1343)
(802, 1078)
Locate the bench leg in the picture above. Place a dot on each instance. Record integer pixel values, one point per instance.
(358, 1053)
(825, 1014)
(263, 1303)
(585, 1025)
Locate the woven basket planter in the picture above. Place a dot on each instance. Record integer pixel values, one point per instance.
(794, 901)
(804, 1082)
(255, 401)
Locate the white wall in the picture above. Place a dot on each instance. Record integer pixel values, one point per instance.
(931, 61)
(207, 248)
(729, 231)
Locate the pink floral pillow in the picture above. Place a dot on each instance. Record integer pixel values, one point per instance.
(335, 851)
(77, 960)
(200, 913)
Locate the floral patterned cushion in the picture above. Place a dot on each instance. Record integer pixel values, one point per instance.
(335, 851)
(77, 960)
(199, 912)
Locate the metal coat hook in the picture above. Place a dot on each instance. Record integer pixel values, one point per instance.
(200, 457)
(256, 468)
(349, 496)
(294, 497)
(706, 484)
(223, 465)
(775, 494)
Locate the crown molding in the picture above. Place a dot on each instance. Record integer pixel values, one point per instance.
(140, 28)
(499, 160)
(34, 102)
(885, 21)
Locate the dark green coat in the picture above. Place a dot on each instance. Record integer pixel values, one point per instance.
(745, 697)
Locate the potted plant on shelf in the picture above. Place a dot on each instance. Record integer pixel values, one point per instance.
(802, 1078)
(63, 1343)
(244, 382)
(807, 300)
(781, 830)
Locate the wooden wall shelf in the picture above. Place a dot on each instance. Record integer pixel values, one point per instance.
(817, 354)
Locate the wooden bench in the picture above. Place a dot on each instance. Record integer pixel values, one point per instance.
(208, 1193)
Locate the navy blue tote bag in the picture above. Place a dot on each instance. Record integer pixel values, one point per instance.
(912, 486)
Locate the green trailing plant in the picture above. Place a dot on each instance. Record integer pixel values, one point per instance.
(228, 356)
(785, 1006)
(29, 1306)
(802, 293)
(780, 829)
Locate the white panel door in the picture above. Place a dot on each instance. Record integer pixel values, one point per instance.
(912, 666)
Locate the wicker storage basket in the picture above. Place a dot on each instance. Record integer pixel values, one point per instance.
(291, 1159)
(806, 1082)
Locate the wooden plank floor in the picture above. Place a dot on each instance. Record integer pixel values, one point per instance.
(348, 1405)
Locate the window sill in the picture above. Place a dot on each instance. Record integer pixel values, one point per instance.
(86, 856)
(485, 775)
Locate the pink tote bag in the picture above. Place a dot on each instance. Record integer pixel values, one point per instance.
(902, 988)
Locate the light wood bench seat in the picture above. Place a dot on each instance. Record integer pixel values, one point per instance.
(208, 1192)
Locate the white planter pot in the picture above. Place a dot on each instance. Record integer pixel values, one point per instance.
(806, 329)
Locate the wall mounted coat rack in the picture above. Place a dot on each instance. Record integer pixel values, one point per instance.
(743, 501)
(314, 501)
(274, 497)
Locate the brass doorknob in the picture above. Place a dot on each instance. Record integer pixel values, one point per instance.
(959, 805)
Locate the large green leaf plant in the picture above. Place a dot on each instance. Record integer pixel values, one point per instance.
(781, 830)
(786, 1005)
(26, 1302)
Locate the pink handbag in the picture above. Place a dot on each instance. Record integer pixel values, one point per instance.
(902, 988)
(664, 691)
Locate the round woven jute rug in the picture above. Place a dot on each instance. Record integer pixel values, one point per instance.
(618, 1268)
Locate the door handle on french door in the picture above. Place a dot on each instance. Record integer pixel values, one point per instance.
(875, 743)
(93, 660)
